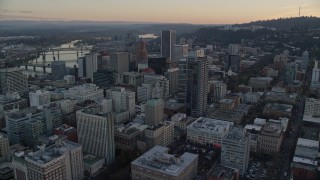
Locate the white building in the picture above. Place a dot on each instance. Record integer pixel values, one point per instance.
(96, 133)
(315, 83)
(180, 51)
(67, 105)
(84, 92)
(158, 81)
(13, 80)
(208, 131)
(122, 100)
(70, 79)
(39, 98)
(235, 150)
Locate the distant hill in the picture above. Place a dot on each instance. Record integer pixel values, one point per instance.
(294, 23)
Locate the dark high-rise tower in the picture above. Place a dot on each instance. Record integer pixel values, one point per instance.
(168, 40)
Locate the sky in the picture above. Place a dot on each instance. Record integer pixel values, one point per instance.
(168, 11)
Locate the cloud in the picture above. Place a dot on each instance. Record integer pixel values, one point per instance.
(8, 11)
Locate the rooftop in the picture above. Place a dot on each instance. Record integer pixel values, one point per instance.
(173, 105)
(157, 159)
(311, 119)
(272, 129)
(237, 134)
(91, 159)
(226, 115)
(279, 107)
(226, 101)
(306, 152)
(222, 172)
(210, 125)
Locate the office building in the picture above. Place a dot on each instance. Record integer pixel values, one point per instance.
(6, 171)
(173, 107)
(207, 131)
(81, 67)
(234, 48)
(260, 82)
(4, 146)
(252, 97)
(180, 51)
(68, 131)
(70, 79)
(158, 164)
(315, 81)
(12, 101)
(67, 106)
(270, 138)
(197, 88)
(312, 107)
(159, 64)
(58, 70)
(62, 160)
(92, 164)
(219, 91)
(168, 40)
(13, 80)
(120, 62)
(104, 78)
(276, 110)
(305, 60)
(142, 53)
(232, 62)
(125, 136)
(91, 64)
(160, 85)
(173, 75)
(154, 112)
(122, 100)
(96, 133)
(39, 98)
(235, 150)
(227, 115)
(182, 81)
(290, 72)
(84, 92)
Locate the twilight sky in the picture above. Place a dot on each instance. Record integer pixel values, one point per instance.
(173, 11)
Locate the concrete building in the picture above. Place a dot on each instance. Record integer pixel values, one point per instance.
(276, 110)
(219, 91)
(304, 165)
(305, 60)
(13, 80)
(252, 97)
(39, 98)
(92, 164)
(260, 82)
(67, 106)
(168, 41)
(96, 133)
(227, 104)
(12, 101)
(233, 116)
(120, 62)
(84, 92)
(71, 79)
(312, 107)
(122, 100)
(173, 75)
(270, 138)
(158, 82)
(62, 160)
(180, 51)
(91, 64)
(104, 78)
(235, 149)
(58, 70)
(126, 135)
(207, 131)
(4, 146)
(182, 80)
(154, 112)
(158, 164)
(290, 72)
(172, 107)
(315, 81)
(6, 170)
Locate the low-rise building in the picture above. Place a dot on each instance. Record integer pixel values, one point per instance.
(157, 164)
(6, 171)
(227, 115)
(260, 82)
(277, 110)
(92, 164)
(227, 104)
(304, 165)
(207, 131)
(126, 137)
(84, 92)
(220, 172)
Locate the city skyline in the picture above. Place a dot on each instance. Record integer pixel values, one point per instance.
(187, 11)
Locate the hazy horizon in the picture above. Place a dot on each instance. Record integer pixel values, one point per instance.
(152, 11)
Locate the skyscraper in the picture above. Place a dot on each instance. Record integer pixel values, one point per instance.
(120, 62)
(142, 53)
(58, 70)
(168, 40)
(315, 76)
(305, 60)
(13, 80)
(180, 51)
(96, 133)
(197, 87)
(91, 64)
(154, 109)
(232, 62)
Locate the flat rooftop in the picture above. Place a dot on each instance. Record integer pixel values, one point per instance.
(279, 107)
(226, 115)
(173, 105)
(222, 172)
(91, 159)
(237, 134)
(273, 129)
(306, 152)
(311, 119)
(208, 125)
(157, 159)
